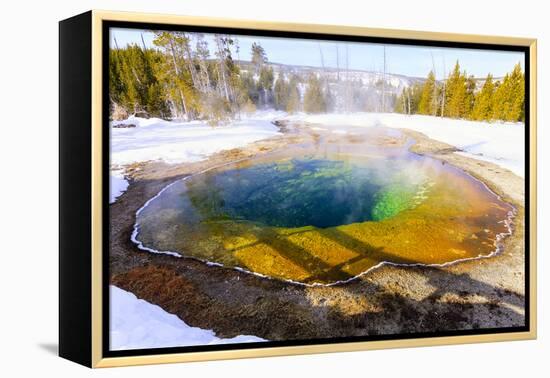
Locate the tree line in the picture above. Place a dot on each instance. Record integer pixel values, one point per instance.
(184, 75)
(457, 97)
(181, 78)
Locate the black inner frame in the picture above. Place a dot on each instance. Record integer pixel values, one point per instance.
(106, 25)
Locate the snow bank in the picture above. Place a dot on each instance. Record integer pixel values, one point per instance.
(137, 324)
(118, 185)
(178, 142)
(502, 143)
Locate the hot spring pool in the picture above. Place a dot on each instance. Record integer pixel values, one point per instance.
(326, 212)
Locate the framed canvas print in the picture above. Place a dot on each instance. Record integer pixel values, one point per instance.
(235, 189)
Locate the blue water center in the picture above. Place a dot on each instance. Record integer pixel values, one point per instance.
(306, 192)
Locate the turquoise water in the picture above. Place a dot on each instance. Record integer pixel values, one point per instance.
(325, 210)
(305, 192)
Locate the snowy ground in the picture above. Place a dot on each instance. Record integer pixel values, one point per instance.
(118, 184)
(497, 142)
(180, 142)
(137, 324)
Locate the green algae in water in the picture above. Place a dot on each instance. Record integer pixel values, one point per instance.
(305, 192)
(327, 210)
(324, 219)
(391, 200)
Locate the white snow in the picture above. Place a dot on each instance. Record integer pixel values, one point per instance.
(502, 143)
(138, 324)
(118, 185)
(177, 142)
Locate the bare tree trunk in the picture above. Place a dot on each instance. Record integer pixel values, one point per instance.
(347, 80)
(136, 75)
(176, 69)
(434, 94)
(225, 83)
(206, 75)
(191, 66)
(222, 66)
(218, 87)
(444, 99)
(384, 83)
(444, 88)
(143, 42)
(325, 82)
(337, 64)
(203, 66)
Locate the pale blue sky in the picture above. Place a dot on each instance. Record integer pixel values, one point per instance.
(400, 59)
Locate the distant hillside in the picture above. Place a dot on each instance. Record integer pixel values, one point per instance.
(352, 90)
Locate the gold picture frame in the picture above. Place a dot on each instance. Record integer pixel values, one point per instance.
(90, 330)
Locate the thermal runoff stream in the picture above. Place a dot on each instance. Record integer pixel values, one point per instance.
(326, 211)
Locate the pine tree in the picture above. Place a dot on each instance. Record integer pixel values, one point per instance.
(116, 85)
(400, 105)
(428, 102)
(175, 75)
(314, 98)
(281, 92)
(517, 95)
(202, 54)
(293, 103)
(259, 57)
(252, 89)
(456, 95)
(181, 77)
(509, 97)
(230, 96)
(495, 101)
(500, 106)
(265, 83)
(134, 86)
(469, 97)
(409, 100)
(483, 105)
(263, 71)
